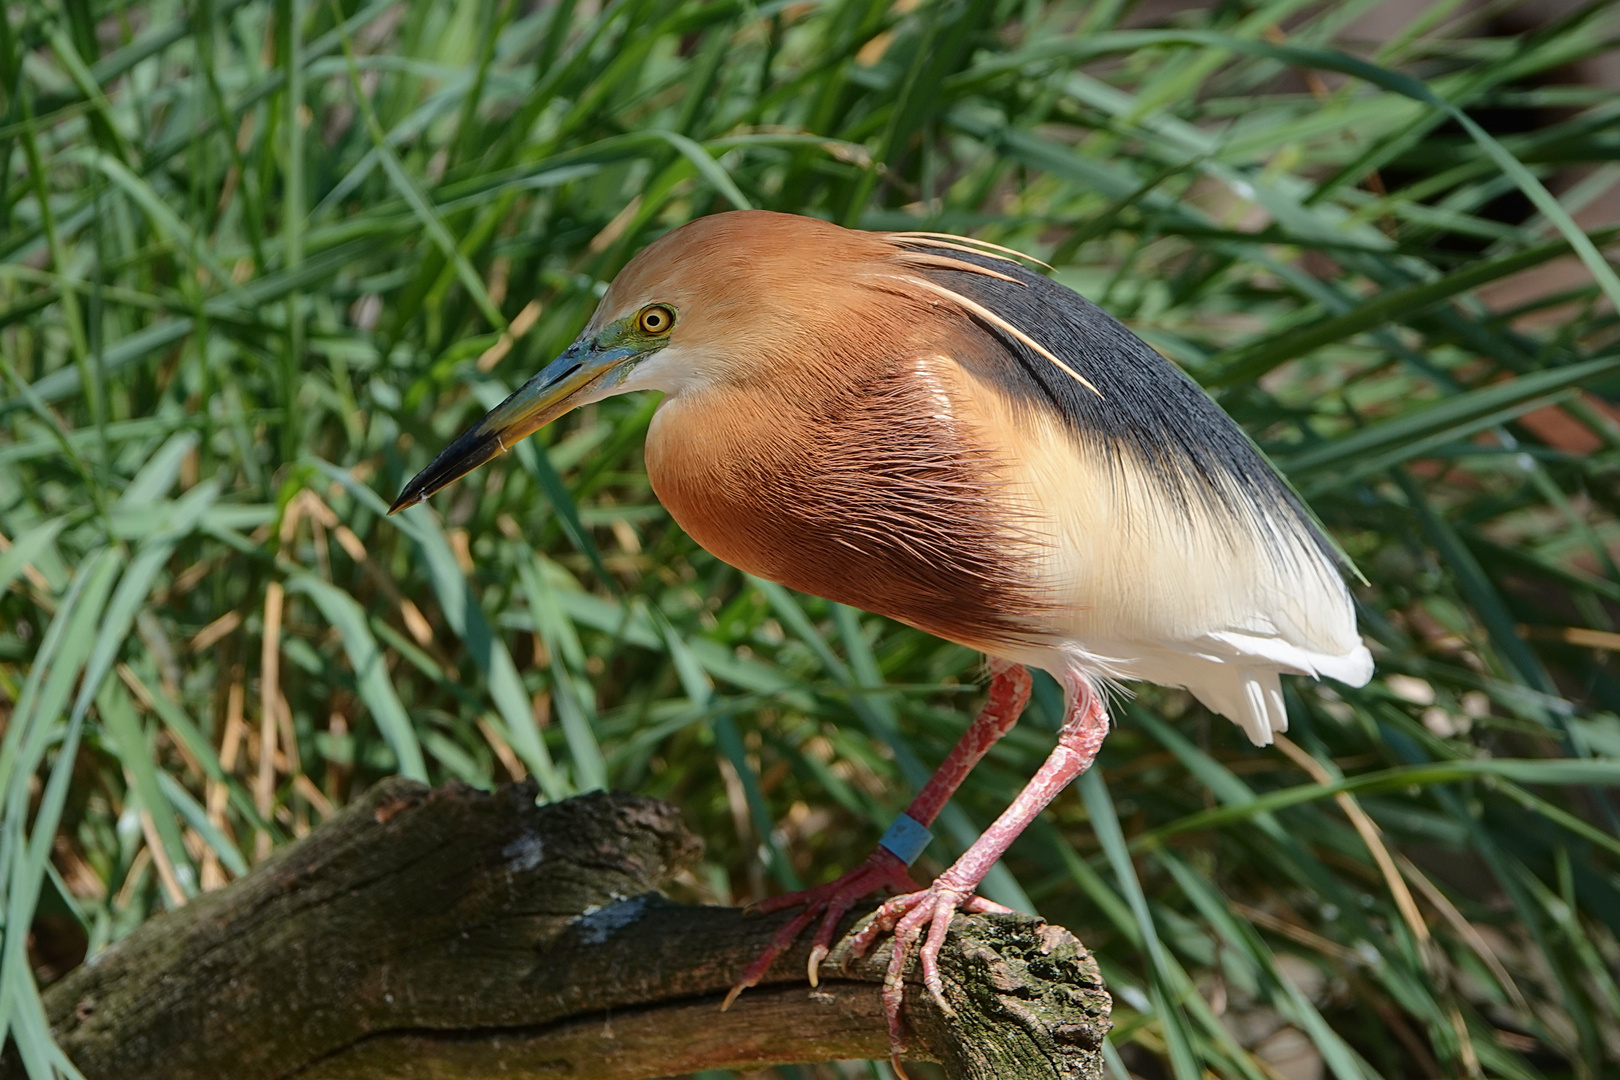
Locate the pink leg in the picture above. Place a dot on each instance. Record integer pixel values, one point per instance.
(935, 906)
(1010, 687)
(1009, 693)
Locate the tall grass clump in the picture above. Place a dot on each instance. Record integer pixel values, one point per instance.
(260, 259)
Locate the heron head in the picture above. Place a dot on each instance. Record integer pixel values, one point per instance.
(692, 308)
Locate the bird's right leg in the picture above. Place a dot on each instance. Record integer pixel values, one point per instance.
(1010, 686)
(931, 910)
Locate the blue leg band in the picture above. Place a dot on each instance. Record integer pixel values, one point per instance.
(906, 838)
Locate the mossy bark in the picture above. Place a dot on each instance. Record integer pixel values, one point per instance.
(454, 933)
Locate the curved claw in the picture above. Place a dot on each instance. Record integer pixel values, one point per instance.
(812, 969)
(836, 908)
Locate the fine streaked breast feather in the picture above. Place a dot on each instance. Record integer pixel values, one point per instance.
(868, 495)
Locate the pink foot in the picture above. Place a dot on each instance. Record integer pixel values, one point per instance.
(933, 907)
(829, 902)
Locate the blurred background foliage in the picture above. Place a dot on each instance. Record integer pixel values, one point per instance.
(260, 259)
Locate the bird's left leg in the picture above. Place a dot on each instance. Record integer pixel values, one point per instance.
(934, 907)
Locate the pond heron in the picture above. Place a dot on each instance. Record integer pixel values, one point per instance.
(922, 426)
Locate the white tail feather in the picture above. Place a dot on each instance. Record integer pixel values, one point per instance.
(1353, 668)
(1250, 697)
(1234, 674)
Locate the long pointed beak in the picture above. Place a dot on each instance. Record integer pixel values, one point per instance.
(538, 402)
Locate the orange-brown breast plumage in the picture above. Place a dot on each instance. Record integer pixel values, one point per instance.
(871, 488)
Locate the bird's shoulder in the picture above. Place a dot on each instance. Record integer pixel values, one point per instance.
(1078, 367)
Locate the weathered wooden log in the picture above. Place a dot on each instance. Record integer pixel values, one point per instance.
(453, 933)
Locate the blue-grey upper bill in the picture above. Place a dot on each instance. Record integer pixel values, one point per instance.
(532, 406)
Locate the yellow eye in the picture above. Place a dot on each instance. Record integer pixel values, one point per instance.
(656, 319)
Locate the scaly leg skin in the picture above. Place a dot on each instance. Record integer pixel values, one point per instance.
(935, 906)
(1009, 692)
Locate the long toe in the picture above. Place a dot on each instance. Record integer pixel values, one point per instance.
(978, 905)
(780, 942)
(894, 992)
(939, 925)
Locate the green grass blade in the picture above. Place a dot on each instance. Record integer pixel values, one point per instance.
(370, 670)
(1106, 825)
